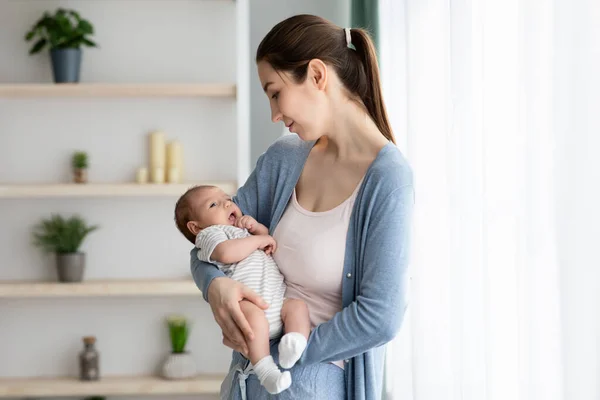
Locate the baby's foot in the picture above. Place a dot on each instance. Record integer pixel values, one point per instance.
(291, 347)
(271, 377)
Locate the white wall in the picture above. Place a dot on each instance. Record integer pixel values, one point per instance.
(141, 41)
(577, 56)
(264, 14)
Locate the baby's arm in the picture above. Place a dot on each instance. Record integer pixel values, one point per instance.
(235, 250)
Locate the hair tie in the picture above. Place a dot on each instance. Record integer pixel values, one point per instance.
(349, 39)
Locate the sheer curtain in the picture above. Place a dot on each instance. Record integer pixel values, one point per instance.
(470, 90)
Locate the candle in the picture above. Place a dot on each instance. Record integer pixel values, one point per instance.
(157, 154)
(173, 175)
(142, 175)
(175, 160)
(158, 175)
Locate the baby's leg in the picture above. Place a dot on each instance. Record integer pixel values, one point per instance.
(296, 322)
(258, 350)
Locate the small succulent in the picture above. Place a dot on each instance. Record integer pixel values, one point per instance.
(61, 235)
(179, 331)
(80, 160)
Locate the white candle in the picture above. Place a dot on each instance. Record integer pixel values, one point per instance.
(142, 175)
(175, 160)
(173, 175)
(158, 175)
(157, 154)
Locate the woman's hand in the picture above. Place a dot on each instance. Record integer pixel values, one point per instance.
(224, 296)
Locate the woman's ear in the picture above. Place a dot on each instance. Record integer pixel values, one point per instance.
(194, 227)
(317, 73)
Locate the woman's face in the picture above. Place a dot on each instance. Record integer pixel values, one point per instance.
(302, 107)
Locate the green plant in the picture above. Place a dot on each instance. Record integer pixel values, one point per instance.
(79, 160)
(63, 30)
(179, 330)
(61, 235)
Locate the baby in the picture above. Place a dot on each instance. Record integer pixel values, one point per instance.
(242, 248)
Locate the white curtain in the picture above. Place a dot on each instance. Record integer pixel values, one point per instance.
(470, 88)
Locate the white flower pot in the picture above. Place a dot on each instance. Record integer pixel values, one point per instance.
(179, 366)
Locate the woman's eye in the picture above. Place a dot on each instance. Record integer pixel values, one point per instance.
(213, 205)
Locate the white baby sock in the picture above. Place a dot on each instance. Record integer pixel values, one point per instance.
(291, 347)
(271, 377)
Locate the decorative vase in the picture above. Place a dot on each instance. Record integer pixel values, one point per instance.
(179, 366)
(80, 175)
(66, 64)
(70, 266)
(89, 361)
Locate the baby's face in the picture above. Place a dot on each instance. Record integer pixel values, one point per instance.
(214, 207)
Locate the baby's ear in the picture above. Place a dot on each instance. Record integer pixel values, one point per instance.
(194, 227)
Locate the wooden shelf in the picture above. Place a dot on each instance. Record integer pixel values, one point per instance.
(117, 90)
(104, 189)
(99, 288)
(108, 386)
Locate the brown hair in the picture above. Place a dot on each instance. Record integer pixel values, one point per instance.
(184, 212)
(292, 43)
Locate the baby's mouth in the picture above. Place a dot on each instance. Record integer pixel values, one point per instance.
(232, 218)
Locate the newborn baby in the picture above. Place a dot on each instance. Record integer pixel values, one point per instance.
(241, 247)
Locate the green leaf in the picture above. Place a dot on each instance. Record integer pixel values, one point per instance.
(85, 27)
(60, 235)
(30, 35)
(89, 43)
(38, 46)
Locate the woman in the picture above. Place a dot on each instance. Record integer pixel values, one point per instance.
(338, 199)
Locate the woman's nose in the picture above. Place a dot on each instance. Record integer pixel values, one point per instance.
(276, 115)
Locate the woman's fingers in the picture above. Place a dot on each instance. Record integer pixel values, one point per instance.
(251, 295)
(233, 333)
(235, 347)
(242, 322)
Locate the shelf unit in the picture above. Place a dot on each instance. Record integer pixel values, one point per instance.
(108, 386)
(98, 288)
(237, 92)
(117, 90)
(104, 189)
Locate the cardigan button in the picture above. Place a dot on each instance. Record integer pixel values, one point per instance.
(348, 275)
(346, 361)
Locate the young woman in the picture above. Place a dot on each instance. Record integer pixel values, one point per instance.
(338, 198)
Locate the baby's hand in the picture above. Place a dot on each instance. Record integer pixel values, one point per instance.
(267, 243)
(246, 222)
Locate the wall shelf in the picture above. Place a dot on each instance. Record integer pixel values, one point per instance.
(30, 90)
(98, 288)
(104, 189)
(108, 386)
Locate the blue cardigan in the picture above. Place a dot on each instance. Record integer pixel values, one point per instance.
(374, 291)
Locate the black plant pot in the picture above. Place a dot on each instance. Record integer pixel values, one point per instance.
(66, 64)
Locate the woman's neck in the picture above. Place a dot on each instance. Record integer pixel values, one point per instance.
(352, 134)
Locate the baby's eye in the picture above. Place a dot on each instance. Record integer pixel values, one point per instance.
(275, 95)
(213, 205)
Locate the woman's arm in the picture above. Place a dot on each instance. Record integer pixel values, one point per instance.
(374, 318)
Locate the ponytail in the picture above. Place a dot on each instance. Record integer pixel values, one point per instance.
(372, 96)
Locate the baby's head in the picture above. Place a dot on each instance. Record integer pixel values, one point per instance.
(204, 206)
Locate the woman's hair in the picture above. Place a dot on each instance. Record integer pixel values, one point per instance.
(292, 43)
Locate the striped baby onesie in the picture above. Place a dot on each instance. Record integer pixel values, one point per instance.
(258, 271)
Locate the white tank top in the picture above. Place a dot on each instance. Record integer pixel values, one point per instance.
(310, 254)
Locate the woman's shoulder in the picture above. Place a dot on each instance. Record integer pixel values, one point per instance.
(389, 172)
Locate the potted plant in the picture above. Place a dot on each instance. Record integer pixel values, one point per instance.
(65, 33)
(79, 163)
(64, 236)
(179, 364)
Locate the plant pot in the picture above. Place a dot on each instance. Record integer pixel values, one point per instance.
(179, 366)
(66, 64)
(80, 175)
(70, 267)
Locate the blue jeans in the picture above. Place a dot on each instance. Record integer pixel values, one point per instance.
(317, 381)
